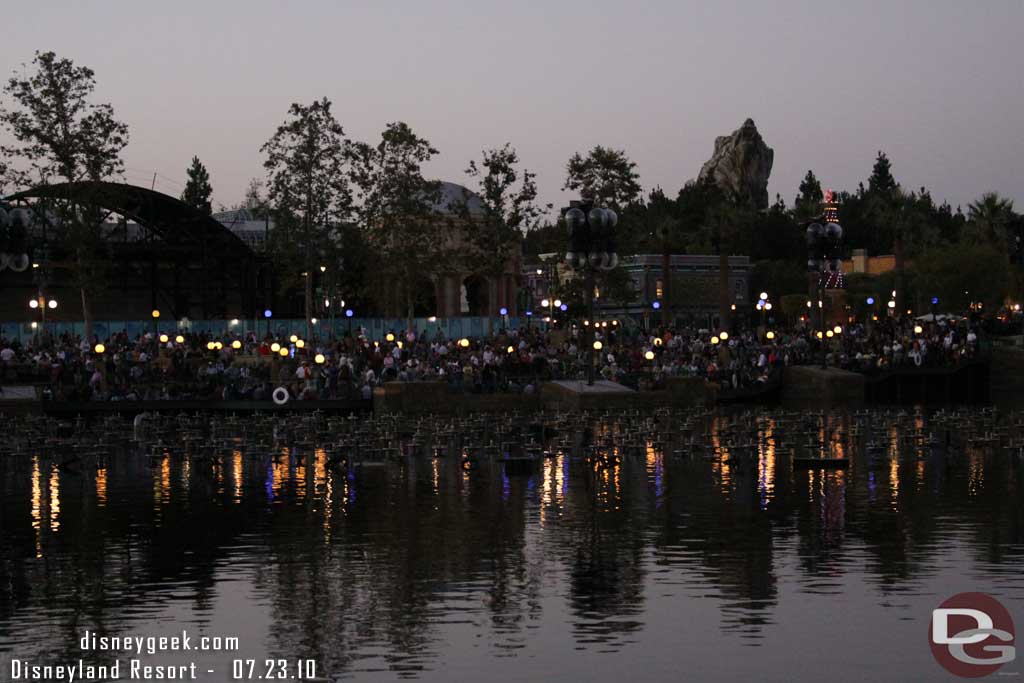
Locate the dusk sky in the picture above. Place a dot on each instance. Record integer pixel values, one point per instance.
(937, 84)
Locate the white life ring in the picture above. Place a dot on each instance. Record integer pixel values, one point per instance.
(280, 396)
(17, 262)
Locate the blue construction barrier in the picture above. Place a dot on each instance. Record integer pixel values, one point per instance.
(373, 328)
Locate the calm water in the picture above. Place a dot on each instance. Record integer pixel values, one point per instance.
(661, 567)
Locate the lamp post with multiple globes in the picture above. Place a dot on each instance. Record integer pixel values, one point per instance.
(824, 265)
(591, 248)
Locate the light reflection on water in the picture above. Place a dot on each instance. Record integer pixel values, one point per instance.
(716, 566)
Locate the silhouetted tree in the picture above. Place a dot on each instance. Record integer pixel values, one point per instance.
(197, 188)
(60, 134)
(308, 191)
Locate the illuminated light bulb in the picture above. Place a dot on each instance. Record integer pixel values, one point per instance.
(770, 335)
(319, 358)
(179, 339)
(294, 338)
(649, 355)
(723, 336)
(464, 342)
(275, 347)
(163, 338)
(598, 346)
(283, 352)
(99, 348)
(300, 344)
(210, 346)
(389, 337)
(236, 344)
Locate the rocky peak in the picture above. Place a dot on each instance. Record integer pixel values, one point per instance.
(741, 164)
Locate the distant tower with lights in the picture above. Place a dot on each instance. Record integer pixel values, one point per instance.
(833, 277)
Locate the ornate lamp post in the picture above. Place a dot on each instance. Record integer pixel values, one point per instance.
(824, 265)
(591, 248)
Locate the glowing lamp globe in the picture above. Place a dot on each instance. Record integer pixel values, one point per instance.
(155, 313)
(545, 303)
(723, 336)
(99, 348)
(294, 338)
(236, 344)
(33, 303)
(714, 340)
(267, 313)
(319, 358)
(918, 329)
(283, 352)
(770, 335)
(179, 339)
(511, 349)
(218, 346)
(763, 296)
(649, 355)
(837, 329)
(300, 344)
(163, 338)
(275, 347)
(389, 337)
(52, 303)
(503, 311)
(464, 343)
(598, 346)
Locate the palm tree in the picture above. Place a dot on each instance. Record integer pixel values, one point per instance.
(990, 218)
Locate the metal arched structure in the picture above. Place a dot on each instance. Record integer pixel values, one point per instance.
(169, 218)
(190, 264)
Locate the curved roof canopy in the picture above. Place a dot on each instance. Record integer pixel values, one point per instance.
(167, 217)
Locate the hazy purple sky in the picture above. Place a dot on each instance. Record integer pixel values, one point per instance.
(937, 84)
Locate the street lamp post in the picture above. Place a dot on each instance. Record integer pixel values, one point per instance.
(823, 262)
(591, 248)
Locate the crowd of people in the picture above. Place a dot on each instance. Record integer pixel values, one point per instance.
(509, 360)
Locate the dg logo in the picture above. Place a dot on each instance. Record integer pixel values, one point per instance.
(972, 635)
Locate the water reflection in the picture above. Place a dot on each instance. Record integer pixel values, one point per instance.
(401, 567)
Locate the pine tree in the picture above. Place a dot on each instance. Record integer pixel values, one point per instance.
(197, 189)
(808, 202)
(881, 183)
